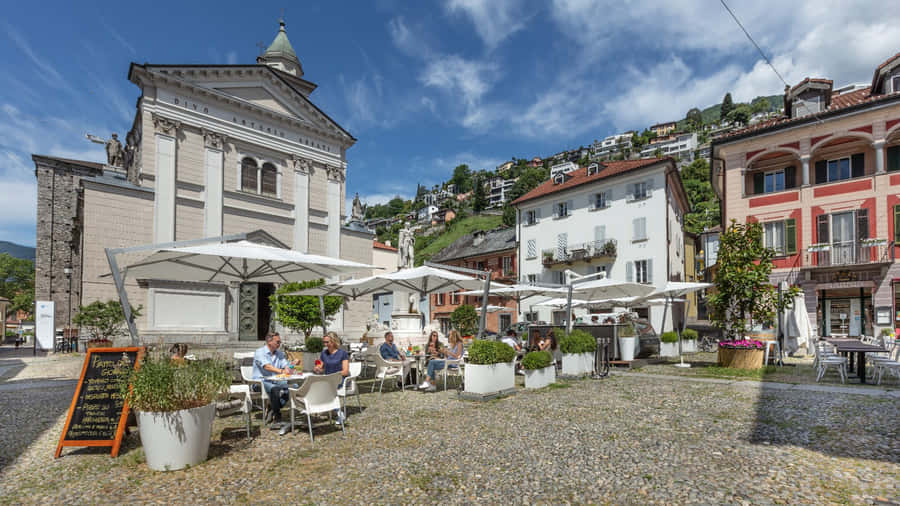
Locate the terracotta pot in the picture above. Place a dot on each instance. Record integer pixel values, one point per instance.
(741, 359)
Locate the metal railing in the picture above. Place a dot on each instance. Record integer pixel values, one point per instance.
(583, 251)
(853, 253)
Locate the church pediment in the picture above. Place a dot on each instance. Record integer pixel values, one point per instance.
(262, 97)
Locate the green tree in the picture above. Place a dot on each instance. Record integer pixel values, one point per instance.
(462, 178)
(740, 114)
(509, 215)
(396, 206)
(704, 202)
(694, 118)
(479, 198)
(17, 282)
(727, 106)
(465, 320)
(760, 104)
(301, 313)
(104, 320)
(420, 192)
(743, 293)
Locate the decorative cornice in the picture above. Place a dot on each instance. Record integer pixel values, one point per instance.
(165, 125)
(213, 140)
(334, 173)
(301, 165)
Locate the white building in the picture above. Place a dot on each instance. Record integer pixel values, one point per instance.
(426, 213)
(681, 146)
(622, 217)
(498, 190)
(611, 145)
(562, 168)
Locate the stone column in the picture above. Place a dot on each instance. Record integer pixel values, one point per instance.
(878, 146)
(214, 160)
(805, 169)
(166, 132)
(302, 170)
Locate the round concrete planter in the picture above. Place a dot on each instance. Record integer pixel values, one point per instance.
(176, 439)
(741, 359)
(539, 378)
(627, 348)
(577, 364)
(490, 378)
(668, 349)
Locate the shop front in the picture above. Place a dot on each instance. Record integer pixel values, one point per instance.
(845, 312)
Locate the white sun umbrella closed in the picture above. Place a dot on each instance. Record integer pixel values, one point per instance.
(670, 291)
(494, 309)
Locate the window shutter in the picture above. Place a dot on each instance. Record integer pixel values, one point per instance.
(649, 186)
(897, 224)
(822, 228)
(643, 225)
(561, 244)
(629, 272)
(790, 177)
(893, 158)
(790, 236)
(650, 271)
(570, 205)
(758, 183)
(532, 248)
(635, 229)
(629, 192)
(821, 171)
(858, 165)
(607, 197)
(537, 214)
(600, 233)
(862, 224)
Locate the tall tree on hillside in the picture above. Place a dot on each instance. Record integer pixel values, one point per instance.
(17, 282)
(727, 106)
(396, 205)
(740, 114)
(462, 178)
(694, 118)
(704, 203)
(760, 104)
(529, 179)
(479, 198)
(420, 192)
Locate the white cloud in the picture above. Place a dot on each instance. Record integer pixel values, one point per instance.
(494, 20)
(465, 82)
(118, 37)
(405, 40)
(18, 207)
(44, 69)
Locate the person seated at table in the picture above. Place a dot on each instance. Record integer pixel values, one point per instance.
(549, 343)
(177, 352)
(389, 351)
(334, 359)
(452, 352)
(432, 349)
(511, 340)
(595, 320)
(269, 361)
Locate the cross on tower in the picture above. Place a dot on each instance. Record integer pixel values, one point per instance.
(262, 47)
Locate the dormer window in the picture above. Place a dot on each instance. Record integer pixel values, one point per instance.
(895, 83)
(592, 169)
(559, 179)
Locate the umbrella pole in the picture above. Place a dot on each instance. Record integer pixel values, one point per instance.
(322, 315)
(569, 310)
(687, 301)
(123, 295)
(484, 304)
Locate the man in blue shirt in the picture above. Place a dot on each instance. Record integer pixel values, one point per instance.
(391, 353)
(267, 362)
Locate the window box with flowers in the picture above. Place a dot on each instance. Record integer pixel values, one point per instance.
(743, 354)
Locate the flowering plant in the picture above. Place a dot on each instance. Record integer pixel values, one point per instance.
(745, 344)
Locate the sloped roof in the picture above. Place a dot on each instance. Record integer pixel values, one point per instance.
(579, 176)
(464, 247)
(381, 245)
(814, 80)
(281, 46)
(81, 163)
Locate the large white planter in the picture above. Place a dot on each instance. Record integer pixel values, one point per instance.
(539, 378)
(689, 346)
(487, 379)
(668, 349)
(627, 348)
(176, 439)
(577, 364)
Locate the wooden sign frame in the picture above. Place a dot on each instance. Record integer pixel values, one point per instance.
(116, 442)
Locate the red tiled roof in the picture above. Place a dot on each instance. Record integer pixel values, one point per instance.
(381, 245)
(838, 102)
(883, 65)
(812, 80)
(579, 176)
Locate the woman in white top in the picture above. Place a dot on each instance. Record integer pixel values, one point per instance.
(452, 352)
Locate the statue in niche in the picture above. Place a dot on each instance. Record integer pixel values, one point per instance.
(114, 152)
(405, 245)
(358, 209)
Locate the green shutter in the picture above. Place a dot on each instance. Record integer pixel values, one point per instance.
(790, 236)
(897, 224)
(758, 183)
(893, 158)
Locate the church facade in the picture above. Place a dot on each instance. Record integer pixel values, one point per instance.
(213, 150)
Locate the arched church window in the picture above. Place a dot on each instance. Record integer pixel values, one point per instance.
(269, 180)
(249, 175)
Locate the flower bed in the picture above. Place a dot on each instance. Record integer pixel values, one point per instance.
(744, 354)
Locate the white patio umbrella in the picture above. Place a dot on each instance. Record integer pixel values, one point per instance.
(221, 260)
(562, 302)
(670, 291)
(519, 292)
(605, 288)
(798, 326)
(494, 309)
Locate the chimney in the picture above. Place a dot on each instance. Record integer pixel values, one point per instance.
(478, 238)
(387, 243)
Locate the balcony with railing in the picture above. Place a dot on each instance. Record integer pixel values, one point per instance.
(847, 253)
(583, 252)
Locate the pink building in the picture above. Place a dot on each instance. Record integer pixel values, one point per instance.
(824, 181)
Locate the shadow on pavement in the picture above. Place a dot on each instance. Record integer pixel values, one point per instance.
(28, 408)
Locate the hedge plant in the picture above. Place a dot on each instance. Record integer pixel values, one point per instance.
(537, 360)
(483, 352)
(689, 334)
(578, 341)
(314, 345)
(668, 337)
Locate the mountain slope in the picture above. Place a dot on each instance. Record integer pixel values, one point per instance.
(17, 250)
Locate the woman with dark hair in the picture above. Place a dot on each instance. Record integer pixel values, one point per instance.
(433, 348)
(549, 343)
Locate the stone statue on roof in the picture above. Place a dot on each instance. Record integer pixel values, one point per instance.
(358, 209)
(114, 153)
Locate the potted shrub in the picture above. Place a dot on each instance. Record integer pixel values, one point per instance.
(668, 344)
(174, 403)
(539, 369)
(689, 341)
(577, 353)
(491, 367)
(743, 354)
(627, 342)
(99, 343)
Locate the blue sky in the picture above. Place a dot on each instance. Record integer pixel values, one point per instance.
(424, 86)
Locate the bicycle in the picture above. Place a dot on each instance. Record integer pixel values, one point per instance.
(708, 343)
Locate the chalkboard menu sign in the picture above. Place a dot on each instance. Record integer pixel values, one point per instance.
(98, 413)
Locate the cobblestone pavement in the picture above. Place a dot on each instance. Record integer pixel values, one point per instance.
(626, 439)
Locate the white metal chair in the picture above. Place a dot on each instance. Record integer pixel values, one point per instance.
(317, 394)
(261, 396)
(350, 386)
(236, 400)
(826, 360)
(891, 364)
(452, 367)
(385, 369)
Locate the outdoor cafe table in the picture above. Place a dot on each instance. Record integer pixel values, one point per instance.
(847, 347)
